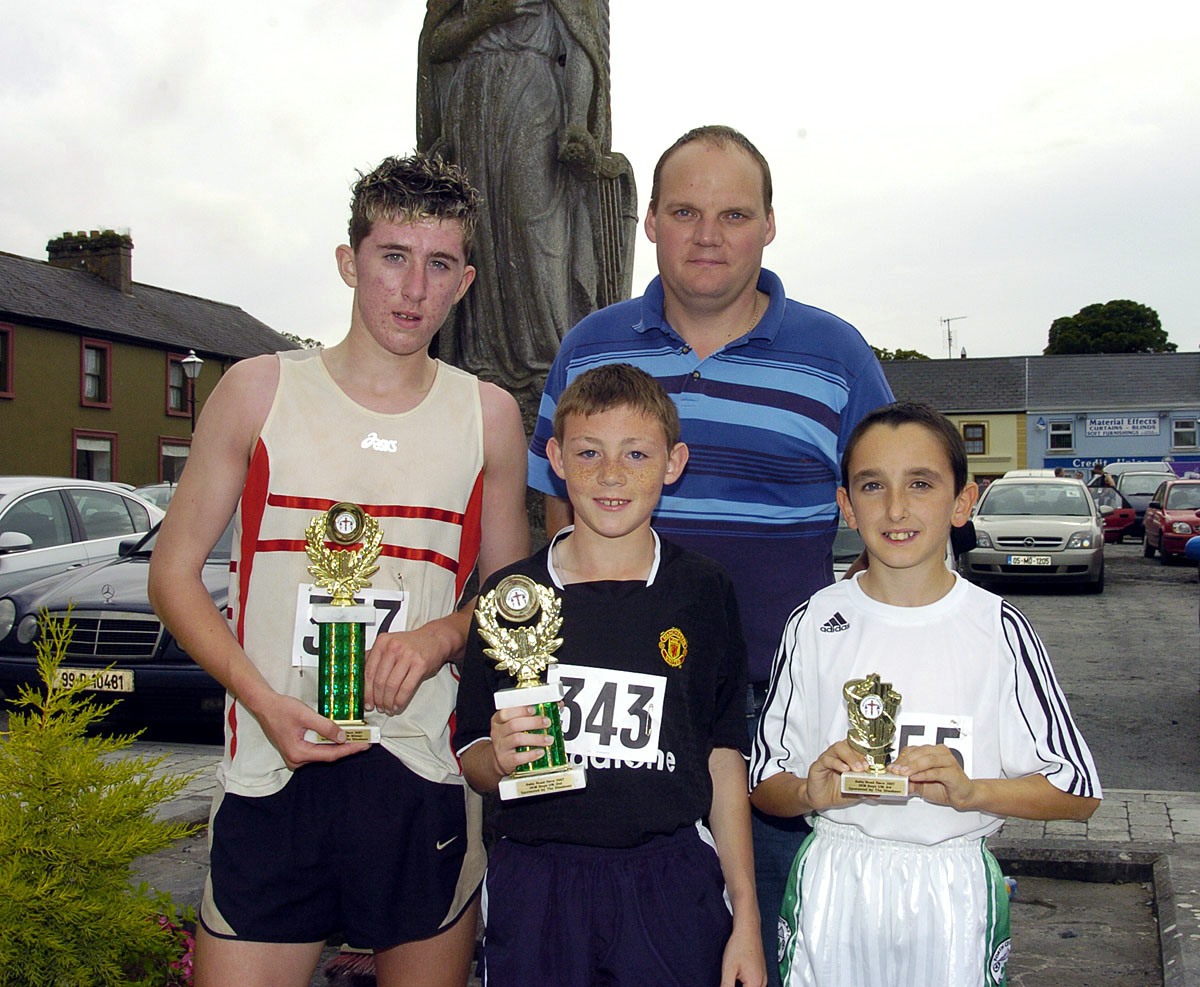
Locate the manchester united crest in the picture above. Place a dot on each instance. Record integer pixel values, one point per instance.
(673, 646)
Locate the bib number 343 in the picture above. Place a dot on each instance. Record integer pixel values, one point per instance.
(610, 713)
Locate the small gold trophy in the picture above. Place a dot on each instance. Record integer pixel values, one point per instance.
(341, 625)
(872, 706)
(525, 651)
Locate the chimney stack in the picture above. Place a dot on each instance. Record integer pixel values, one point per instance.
(107, 254)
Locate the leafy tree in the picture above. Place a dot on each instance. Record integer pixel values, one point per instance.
(1119, 326)
(305, 342)
(882, 354)
(72, 818)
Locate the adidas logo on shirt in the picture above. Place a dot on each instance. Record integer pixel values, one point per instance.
(834, 624)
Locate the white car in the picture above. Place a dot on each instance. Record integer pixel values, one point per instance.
(49, 524)
(1043, 529)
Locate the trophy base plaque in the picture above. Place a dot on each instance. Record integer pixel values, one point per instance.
(877, 783)
(552, 772)
(355, 732)
(558, 780)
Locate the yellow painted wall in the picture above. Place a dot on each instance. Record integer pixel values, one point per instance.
(37, 422)
(1005, 443)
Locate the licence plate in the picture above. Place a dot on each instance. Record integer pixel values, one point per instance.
(1030, 560)
(98, 680)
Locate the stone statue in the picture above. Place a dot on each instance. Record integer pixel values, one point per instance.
(517, 93)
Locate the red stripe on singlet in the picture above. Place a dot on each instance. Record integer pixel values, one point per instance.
(375, 510)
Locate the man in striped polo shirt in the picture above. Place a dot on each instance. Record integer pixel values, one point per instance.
(768, 390)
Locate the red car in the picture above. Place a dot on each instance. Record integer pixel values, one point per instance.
(1172, 517)
(1120, 519)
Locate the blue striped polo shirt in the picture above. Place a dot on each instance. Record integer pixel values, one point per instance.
(765, 419)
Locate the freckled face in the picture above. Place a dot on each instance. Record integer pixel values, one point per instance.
(901, 497)
(405, 277)
(615, 464)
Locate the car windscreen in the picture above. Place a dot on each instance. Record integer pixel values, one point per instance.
(1140, 485)
(1183, 497)
(1053, 499)
(221, 551)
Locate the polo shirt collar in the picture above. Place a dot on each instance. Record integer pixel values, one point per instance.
(563, 532)
(766, 330)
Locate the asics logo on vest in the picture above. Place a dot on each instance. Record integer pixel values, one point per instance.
(373, 441)
(835, 623)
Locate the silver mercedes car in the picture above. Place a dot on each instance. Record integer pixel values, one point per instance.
(1045, 529)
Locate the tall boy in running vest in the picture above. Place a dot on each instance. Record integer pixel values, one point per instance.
(621, 883)
(906, 893)
(381, 844)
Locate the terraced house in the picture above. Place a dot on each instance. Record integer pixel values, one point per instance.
(94, 365)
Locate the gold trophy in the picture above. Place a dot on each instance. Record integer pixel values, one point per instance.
(872, 706)
(341, 625)
(525, 651)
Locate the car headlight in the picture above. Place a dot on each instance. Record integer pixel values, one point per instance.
(982, 539)
(27, 629)
(1081, 539)
(1181, 528)
(8, 613)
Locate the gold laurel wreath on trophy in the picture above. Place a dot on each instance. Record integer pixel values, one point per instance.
(524, 651)
(343, 571)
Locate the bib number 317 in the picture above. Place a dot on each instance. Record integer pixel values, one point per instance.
(609, 713)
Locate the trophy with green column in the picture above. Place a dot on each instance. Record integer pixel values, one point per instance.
(341, 624)
(525, 649)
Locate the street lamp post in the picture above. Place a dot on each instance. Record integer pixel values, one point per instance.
(191, 370)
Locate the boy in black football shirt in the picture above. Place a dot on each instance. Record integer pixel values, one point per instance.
(631, 880)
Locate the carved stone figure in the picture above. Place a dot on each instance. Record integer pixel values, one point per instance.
(517, 93)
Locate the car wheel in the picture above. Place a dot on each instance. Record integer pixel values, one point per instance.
(1097, 585)
(1147, 548)
(1164, 557)
(1120, 539)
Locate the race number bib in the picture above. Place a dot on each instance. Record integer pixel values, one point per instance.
(391, 614)
(915, 729)
(607, 713)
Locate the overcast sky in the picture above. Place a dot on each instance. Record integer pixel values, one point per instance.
(1009, 163)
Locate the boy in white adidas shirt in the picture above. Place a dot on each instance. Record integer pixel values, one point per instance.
(906, 892)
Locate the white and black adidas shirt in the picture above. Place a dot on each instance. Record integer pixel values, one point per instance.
(972, 674)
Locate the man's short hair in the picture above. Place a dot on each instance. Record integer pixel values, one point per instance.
(420, 186)
(720, 136)
(611, 386)
(910, 413)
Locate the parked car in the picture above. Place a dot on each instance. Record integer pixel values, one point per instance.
(159, 494)
(1172, 518)
(1037, 529)
(49, 524)
(114, 625)
(1119, 515)
(1133, 466)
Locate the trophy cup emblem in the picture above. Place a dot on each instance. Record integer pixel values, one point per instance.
(341, 624)
(871, 706)
(525, 650)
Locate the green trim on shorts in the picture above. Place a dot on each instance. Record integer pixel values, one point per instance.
(789, 912)
(997, 935)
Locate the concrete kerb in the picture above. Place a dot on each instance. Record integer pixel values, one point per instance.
(1173, 870)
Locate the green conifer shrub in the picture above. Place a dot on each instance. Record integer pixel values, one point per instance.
(71, 821)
